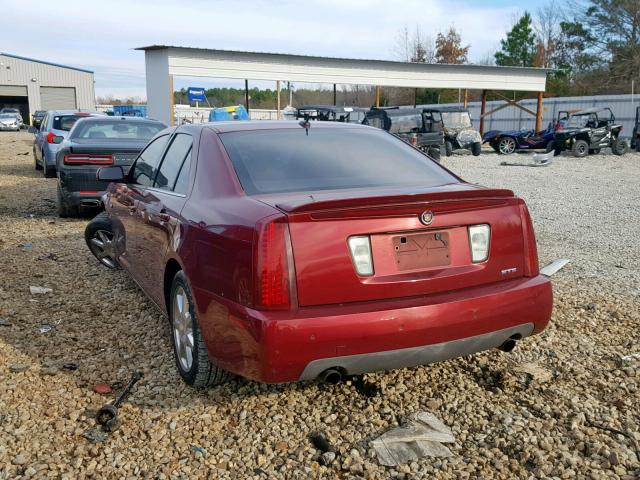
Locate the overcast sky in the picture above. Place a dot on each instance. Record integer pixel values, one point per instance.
(100, 36)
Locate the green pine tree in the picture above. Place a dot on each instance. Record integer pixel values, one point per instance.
(519, 48)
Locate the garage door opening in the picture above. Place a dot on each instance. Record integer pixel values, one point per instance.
(21, 103)
(15, 96)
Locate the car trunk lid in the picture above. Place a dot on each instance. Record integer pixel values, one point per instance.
(410, 258)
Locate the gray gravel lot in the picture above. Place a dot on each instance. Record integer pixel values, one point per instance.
(542, 411)
(586, 210)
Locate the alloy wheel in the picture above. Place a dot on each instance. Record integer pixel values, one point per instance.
(182, 328)
(103, 248)
(507, 146)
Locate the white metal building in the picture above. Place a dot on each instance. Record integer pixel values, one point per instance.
(32, 85)
(164, 62)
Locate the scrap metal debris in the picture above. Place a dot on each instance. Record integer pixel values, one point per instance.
(102, 388)
(328, 455)
(4, 323)
(553, 267)
(107, 416)
(71, 366)
(539, 160)
(422, 436)
(40, 290)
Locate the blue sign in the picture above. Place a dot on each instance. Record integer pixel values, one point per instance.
(196, 94)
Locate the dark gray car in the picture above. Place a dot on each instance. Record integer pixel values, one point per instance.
(94, 142)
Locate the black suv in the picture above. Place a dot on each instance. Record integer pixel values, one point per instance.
(458, 129)
(588, 131)
(421, 129)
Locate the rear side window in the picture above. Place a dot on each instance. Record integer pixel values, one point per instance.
(146, 166)
(406, 123)
(117, 130)
(289, 160)
(65, 122)
(174, 159)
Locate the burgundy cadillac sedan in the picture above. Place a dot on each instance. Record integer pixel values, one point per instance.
(283, 251)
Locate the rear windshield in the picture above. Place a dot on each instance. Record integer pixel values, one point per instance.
(289, 160)
(65, 122)
(117, 130)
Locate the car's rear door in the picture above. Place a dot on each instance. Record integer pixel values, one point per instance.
(124, 202)
(159, 207)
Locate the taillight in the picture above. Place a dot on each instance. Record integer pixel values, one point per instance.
(50, 137)
(531, 267)
(84, 159)
(272, 259)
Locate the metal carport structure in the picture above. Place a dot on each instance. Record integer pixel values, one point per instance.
(164, 62)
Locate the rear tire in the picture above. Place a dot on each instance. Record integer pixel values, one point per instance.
(551, 145)
(64, 209)
(190, 351)
(638, 145)
(580, 149)
(476, 148)
(434, 152)
(619, 146)
(99, 238)
(448, 148)
(35, 161)
(49, 172)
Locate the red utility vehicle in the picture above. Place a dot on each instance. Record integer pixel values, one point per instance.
(285, 251)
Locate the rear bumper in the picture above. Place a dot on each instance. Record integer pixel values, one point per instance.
(289, 346)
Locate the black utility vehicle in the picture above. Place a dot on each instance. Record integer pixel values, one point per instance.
(330, 113)
(588, 131)
(421, 129)
(635, 137)
(458, 129)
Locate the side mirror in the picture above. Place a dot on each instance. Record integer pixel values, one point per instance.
(110, 174)
(58, 139)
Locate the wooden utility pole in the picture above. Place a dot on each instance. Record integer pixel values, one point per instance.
(377, 96)
(466, 98)
(246, 95)
(483, 110)
(539, 112)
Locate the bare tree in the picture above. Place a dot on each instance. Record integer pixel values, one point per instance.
(414, 46)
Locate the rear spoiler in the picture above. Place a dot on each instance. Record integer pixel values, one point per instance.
(310, 204)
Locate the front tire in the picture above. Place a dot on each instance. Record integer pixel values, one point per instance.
(476, 148)
(580, 149)
(192, 357)
(99, 238)
(507, 145)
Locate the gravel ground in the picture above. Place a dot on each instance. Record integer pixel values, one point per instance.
(549, 409)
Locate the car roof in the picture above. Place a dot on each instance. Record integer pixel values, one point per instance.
(106, 118)
(236, 126)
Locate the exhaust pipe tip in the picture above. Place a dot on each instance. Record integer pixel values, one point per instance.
(331, 375)
(508, 345)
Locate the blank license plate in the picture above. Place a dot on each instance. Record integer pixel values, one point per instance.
(421, 250)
